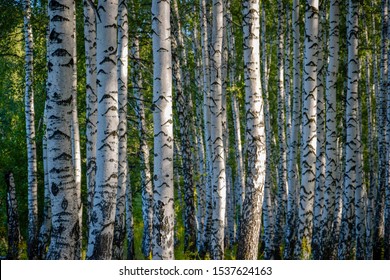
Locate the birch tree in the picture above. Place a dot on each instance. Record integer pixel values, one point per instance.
(163, 219)
(91, 100)
(255, 135)
(282, 191)
(32, 242)
(309, 128)
(101, 228)
(218, 153)
(183, 97)
(331, 132)
(352, 137)
(64, 203)
(292, 170)
(120, 223)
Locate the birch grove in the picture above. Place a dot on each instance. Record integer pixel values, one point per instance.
(195, 129)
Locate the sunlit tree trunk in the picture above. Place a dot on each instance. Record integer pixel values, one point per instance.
(122, 70)
(309, 129)
(320, 158)
(255, 135)
(218, 153)
(32, 241)
(66, 230)
(12, 218)
(163, 219)
(101, 230)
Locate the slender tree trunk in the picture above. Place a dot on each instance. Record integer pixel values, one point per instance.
(66, 230)
(381, 105)
(183, 97)
(331, 132)
(218, 154)
(309, 129)
(120, 222)
(32, 242)
(12, 218)
(44, 232)
(255, 135)
(101, 230)
(91, 100)
(320, 158)
(129, 221)
(146, 178)
(76, 153)
(282, 191)
(352, 138)
(292, 170)
(163, 219)
(201, 184)
(387, 188)
(207, 125)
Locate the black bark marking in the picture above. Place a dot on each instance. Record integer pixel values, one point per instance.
(56, 6)
(59, 18)
(61, 52)
(55, 37)
(54, 189)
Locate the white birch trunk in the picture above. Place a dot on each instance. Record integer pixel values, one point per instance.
(146, 177)
(66, 230)
(129, 221)
(352, 138)
(281, 120)
(309, 129)
(292, 170)
(331, 149)
(91, 100)
(320, 158)
(32, 242)
(207, 125)
(218, 153)
(101, 230)
(122, 70)
(255, 135)
(163, 219)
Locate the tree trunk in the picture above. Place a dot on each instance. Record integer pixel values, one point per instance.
(32, 242)
(91, 100)
(163, 219)
(309, 130)
(12, 219)
(183, 97)
(146, 178)
(255, 136)
(381, 107)
(352, 139)
(218, 153)
(331, 149)
(282, 170)
(65, 209)
(120, 222)
(292, 170)
(101, 230)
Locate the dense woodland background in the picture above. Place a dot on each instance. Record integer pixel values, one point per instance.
(288, 192)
